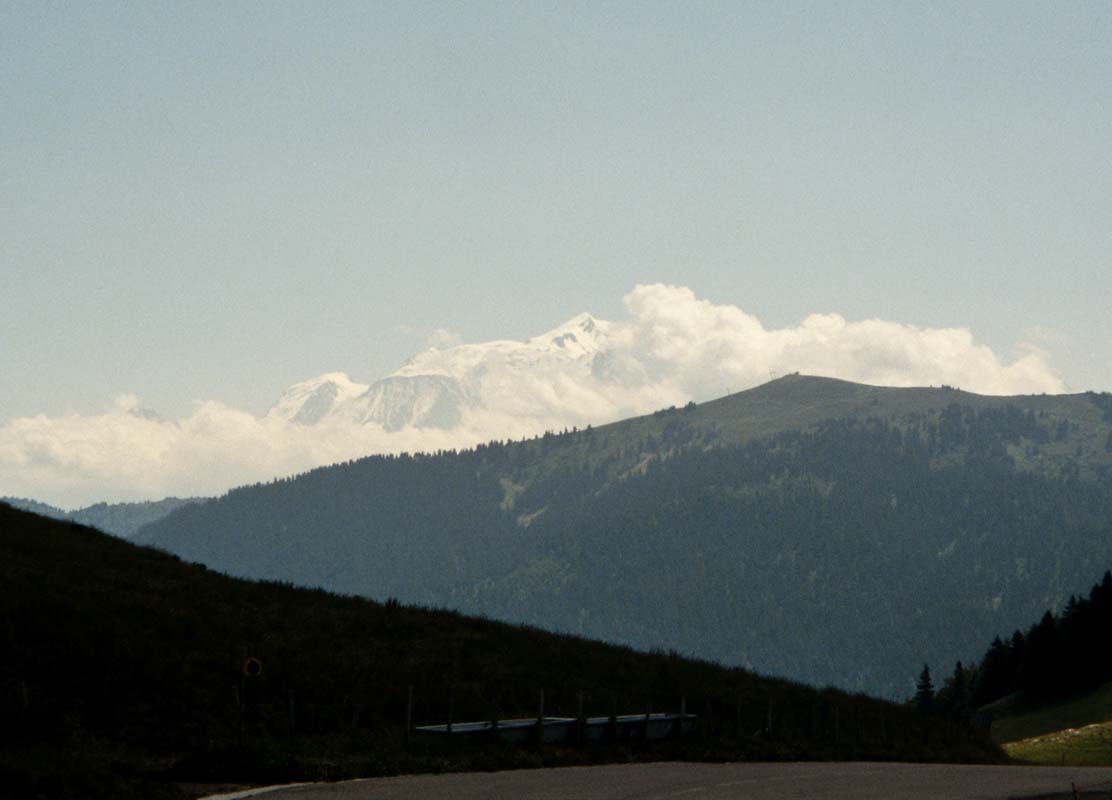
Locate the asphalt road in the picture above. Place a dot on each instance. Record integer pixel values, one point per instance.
(664, 781)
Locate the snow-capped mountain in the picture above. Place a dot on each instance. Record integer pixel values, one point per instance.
(308, 402)
(411, 401)
(577, 340)
(439, 388)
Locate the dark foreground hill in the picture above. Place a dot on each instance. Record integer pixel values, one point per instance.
(822, 530)
(122, 673)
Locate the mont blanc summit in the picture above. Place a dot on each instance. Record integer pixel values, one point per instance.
(444, 388)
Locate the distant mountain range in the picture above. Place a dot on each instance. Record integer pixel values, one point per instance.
(823, 530)
(120, 519)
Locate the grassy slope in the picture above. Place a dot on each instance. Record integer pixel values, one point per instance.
(119, 671)
(1015, 723)
(800, 401)
(1088, 746)
(1077, 731)
(797, 402)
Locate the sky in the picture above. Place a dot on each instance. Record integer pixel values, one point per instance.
(206, 203)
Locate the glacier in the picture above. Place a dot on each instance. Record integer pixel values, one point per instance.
(443, 388)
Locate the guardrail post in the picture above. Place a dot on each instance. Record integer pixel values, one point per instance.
(540, 719)
(580, 719)
(409, 712)
(291, 709)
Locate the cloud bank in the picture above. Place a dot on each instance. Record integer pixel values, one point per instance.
(670, 348)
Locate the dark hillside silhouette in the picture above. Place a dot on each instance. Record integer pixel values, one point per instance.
(123, 669)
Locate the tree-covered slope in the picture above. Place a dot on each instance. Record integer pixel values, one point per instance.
(122, 674)
(1052, 676)
(1045, 689)
(822, 530)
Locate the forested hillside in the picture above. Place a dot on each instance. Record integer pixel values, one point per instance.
(124, 672)
(822, 530)
(1046, 690)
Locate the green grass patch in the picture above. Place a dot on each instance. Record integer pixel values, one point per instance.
(1089, 746)
(1016, 721)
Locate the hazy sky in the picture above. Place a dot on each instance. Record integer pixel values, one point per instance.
(213, 201)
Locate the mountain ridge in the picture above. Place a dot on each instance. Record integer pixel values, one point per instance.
(750, 529)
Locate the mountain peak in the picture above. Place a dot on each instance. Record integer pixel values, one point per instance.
(580, 335)
(584, 321)
(309, 401)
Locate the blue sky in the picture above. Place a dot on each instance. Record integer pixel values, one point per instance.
(213, 201)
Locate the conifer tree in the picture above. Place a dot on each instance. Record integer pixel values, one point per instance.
(958, 699)
(996, 677)
(924, 691)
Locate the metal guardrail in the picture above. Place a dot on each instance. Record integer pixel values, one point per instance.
(624, 727)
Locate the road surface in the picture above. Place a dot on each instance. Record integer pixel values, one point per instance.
(687, 781)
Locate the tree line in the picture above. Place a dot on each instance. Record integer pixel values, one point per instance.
(1061, 655)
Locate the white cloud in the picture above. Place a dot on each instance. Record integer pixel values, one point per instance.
(672, 347)
(118, 456)
(703, 346)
